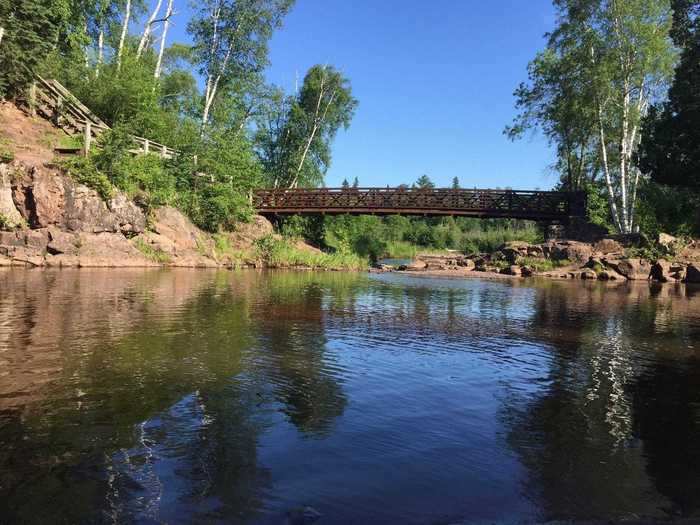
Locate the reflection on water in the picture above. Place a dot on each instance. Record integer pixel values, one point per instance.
(196, 396)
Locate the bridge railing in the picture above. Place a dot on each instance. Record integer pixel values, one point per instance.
(435, 201)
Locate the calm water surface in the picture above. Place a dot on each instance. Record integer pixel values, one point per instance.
(224, 397)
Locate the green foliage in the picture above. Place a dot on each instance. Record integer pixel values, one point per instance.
(363, 235)
(588, 89)
(424, 182)
(668, 209)
(670, 149)
(6, 154)
(84, 171)
(281, 253)
(294, 135)
(154, 254)
(597, 207)
(489, 240)
(32, 29)
(540, 264)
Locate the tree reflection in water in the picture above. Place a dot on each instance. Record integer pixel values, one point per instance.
(616, 432)
(184, 396)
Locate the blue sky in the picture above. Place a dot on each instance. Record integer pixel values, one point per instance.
(434, 82)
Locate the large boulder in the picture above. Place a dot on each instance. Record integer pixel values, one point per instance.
(512, 250)
(692, 273)
(246, 233)
(178, 229)
(61, 242)
(633, 269)
(572, 250)
(610, 275)
(588, 273)
(661, 271)
(606, 246)
(667, 241)
(130, 217)
(40, 197)
(466, 263)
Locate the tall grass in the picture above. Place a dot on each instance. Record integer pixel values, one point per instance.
(281, 253)
(487, 241)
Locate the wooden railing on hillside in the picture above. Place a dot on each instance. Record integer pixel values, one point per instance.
(52, 100)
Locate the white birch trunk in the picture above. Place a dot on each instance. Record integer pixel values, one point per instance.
(606, 171)
(166, 24)
(2, 33)
(623, 160)
(309, 141)
(100, 51)
(143, 43)
(210, 88)
(122, 37)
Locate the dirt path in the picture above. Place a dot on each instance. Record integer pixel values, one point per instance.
(32, 139)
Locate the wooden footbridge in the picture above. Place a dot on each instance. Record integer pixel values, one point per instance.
(532, 205)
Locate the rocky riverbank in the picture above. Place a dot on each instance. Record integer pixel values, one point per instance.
(605, 260)
(49, 220)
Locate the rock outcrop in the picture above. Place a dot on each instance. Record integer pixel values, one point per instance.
(605, 260)
(51, 220)
(47, 198)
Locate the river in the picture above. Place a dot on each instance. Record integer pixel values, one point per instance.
(154, 396)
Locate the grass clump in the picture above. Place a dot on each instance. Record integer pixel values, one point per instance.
(151, 253)
(280, 253)
(539, 264)
(6, 154)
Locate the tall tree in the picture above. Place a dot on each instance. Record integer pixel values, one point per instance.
(144, 42)
(670, 148)
(424, 183)
(589, 90)
(32, 29)
(455, 183)
(122, 35)
(163, 36)
(356, 183)
(296, 144)
(231, 38)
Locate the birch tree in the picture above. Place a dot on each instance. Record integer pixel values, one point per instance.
(148, 29)
(122, 36)
(614, 57)
(231, 38)
(301, 150)
(161, 49)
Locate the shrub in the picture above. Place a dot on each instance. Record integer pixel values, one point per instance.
(83, 171)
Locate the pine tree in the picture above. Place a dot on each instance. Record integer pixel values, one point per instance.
(31, 30)
(425, 183)
(455, 183)
(355, 183)
(346, 184)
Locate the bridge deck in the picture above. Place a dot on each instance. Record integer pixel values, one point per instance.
(533, 205)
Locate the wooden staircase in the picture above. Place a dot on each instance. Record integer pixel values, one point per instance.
(51, 100)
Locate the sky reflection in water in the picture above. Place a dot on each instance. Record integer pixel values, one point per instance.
(224, 397)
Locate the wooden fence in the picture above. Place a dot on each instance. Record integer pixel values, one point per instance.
(52, 100)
